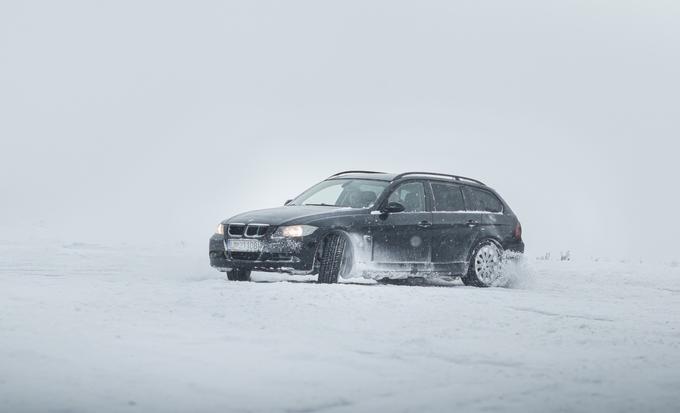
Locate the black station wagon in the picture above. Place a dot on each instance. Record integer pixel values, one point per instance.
(375, 225)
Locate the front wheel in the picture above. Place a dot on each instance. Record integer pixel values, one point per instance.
(336, 258)
(485, 265)
(238, 274)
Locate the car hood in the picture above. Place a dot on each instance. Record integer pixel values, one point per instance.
(293, 214)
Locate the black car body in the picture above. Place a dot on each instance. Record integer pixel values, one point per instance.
(388, 225)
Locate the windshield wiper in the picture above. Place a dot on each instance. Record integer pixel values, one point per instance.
(319, 205)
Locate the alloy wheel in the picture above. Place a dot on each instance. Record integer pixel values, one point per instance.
(488, 264)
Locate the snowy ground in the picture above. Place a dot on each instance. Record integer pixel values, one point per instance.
(95, 328)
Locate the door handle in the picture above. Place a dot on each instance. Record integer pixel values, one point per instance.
(424, 224)
(472, 223)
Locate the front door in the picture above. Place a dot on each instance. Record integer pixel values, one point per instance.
(404, 237)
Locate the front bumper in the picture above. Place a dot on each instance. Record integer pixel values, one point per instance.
(293, 256)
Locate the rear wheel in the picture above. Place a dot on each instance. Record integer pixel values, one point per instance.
(336, 258)
(485, 265)
(238, 274)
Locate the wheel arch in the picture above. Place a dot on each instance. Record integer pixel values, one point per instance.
(489, 238)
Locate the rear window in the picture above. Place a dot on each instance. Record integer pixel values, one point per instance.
(480, 200)
(447, 197)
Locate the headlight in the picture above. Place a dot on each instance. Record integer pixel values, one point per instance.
(293, 231)
(220, 229)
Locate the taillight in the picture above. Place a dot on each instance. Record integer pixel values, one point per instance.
(518, 231)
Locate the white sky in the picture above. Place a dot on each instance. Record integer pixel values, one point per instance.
(142, 121)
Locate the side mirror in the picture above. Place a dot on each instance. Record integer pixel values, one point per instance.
(287, 202)
(393, 207)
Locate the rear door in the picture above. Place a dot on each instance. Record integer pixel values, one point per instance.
(404, 237)
(455, 227)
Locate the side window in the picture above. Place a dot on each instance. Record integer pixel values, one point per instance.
(447, 197)
(411, 195)
(479, 200)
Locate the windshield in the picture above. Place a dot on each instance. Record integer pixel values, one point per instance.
(352, 193)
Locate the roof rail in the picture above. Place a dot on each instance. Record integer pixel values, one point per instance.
(354, 172)
(456, 177)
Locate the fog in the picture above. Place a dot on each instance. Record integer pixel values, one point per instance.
(147, 122)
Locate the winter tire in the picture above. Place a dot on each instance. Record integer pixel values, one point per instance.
(335, 259)
(485, 265)
(238, 274)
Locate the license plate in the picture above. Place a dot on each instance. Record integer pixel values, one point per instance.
(244, 245)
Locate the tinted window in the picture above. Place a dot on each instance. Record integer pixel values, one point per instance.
(411, 195)
(479, 200)
(447, 197)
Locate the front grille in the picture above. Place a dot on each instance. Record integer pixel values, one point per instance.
(245, 256)
(236, 230)
(256, 230)
(250, 230)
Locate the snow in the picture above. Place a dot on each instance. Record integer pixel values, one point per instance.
(106, 328)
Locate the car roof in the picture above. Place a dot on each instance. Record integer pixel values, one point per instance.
(378, 176)
(430, 176)
(389, 177)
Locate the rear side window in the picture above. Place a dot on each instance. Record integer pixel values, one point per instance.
(480, 200)
(447, 197)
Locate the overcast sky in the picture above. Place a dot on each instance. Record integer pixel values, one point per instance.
(142, 121)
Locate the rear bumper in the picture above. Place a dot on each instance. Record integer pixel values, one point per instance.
(293, 256)
(514, 246)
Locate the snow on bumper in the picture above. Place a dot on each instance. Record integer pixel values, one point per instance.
(285, 255)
